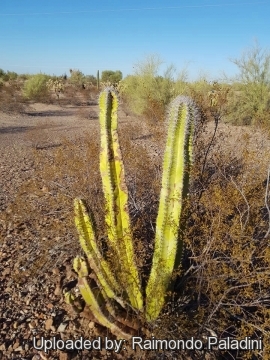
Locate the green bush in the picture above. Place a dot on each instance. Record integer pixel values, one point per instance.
(146, 92)
(35, 88)
(77, 78)
(8, 76)
(11, 75)
(249, 103)
(91, 79)
(111, 76)
(24, 77)
(2, 73)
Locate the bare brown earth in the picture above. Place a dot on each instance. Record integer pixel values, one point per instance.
(33, 306)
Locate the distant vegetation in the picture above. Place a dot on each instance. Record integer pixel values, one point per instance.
(147, 92)
(111, 76)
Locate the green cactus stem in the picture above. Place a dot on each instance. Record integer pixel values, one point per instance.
(116, 197)
(94, 302)
(176, 167)
(89, 245)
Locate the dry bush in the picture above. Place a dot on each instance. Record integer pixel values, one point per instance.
(11, 100)
(78, 96)
(223, 287)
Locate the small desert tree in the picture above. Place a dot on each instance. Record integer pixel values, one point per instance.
(250, 104)
(111, 76)
(146, 92)
(77, 78)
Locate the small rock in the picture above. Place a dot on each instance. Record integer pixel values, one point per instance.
(6, 272)
(19, 348)
(56, 271)
(36, 357)
(38, 343)
(15, 325)
(48, 324)
(32, 325)
(57, 291)
(63, 356)
(16, 345)
(91, 325)
(62, 327)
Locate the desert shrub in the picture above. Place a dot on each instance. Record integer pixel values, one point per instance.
(8, 76)
(11, 100)
(249, 103)
(2, 73)
(11, 75)
(90, 80)
(111, 76)
(35, 88)
(76, 78)
(146, 92)
(227, 240)
(24, 77)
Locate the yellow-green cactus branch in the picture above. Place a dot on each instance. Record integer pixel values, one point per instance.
(97, 263)
(176, 166)
(90, 299)
(116, 197)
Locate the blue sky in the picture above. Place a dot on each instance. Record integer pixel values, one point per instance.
(55, 35)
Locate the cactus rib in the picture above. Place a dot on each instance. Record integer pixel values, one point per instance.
(176, 166)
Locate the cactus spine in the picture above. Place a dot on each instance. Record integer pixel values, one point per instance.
(176, 166)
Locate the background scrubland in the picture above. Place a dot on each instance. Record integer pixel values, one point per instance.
(222, 287)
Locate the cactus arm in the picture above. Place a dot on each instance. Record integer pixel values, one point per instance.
(97, 263)
(116, 197)
(91, 300)
(177, 161)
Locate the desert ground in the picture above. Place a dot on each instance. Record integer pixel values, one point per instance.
(37, 237)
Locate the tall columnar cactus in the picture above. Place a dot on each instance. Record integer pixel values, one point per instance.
(116, 196)
(176, 167)
(175, 178)
(98, 79)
